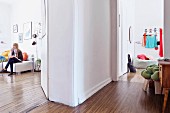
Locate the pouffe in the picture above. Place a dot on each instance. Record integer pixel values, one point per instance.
(151, 72)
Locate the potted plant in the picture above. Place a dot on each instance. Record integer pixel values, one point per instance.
(38, 65)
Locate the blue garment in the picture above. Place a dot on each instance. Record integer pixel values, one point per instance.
(2, 59)
(151, 42)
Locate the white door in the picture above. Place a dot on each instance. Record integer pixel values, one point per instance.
(122, 45)
(125, 41)
(44, 53)
(130, 20)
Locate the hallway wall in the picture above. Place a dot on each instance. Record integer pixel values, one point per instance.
(60, 51)
(80, 49)
(92, 47)
(114, 33)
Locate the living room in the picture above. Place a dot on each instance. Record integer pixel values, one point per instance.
(20, 21)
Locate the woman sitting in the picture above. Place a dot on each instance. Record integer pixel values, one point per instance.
(15, 57)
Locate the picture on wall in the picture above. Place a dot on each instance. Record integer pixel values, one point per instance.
(15, 28)
(20, 38)
(38, 28)
(27, 34)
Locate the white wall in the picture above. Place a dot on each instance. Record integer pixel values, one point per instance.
(24, 11)
(148, 14)
(5, 26)
(114, 40)
(61, 36)
(167, 28)
(92, 47)
(84, 56)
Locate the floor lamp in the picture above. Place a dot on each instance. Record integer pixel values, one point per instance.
(38, 61)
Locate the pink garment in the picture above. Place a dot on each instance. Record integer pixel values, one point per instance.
(143, 57)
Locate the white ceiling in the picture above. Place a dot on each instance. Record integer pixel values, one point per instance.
(7, 1)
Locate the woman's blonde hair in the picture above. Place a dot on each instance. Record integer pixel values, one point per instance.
(16, 45)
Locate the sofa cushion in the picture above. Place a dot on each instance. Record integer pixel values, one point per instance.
(25, 56)
(142, 57)
(2, 59)
(6, 54)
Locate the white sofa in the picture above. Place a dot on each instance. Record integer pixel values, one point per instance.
(142, 64)
(20, 67)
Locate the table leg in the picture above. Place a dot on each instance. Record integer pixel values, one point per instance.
(33, 65)
(2, 67)
(165, 100)
(146, 85)
(161, 90)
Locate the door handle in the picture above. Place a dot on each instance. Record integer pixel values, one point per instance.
(119, 20)
(130, 34)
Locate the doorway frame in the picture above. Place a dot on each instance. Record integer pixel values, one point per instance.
(119, 39)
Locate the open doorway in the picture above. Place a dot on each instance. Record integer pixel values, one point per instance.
(23, 22)
(138, 20)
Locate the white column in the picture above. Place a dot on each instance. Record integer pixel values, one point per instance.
(166, 28)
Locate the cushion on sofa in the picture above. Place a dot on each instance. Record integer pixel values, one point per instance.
(142, 57)
(25, 56)
(6, 54)
(2, 59)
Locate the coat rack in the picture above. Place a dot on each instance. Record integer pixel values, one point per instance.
(149, 32)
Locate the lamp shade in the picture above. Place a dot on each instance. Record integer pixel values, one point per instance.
(2, 42)
(34, 43)
(34, 35)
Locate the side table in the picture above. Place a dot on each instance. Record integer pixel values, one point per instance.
(164, 75)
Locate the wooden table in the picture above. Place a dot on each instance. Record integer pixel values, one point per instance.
(164, 75)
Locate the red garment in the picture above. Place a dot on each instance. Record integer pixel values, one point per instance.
(161, 44)
(144, 40)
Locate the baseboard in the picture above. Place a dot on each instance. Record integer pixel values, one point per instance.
(61, 101)
(93, 90)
